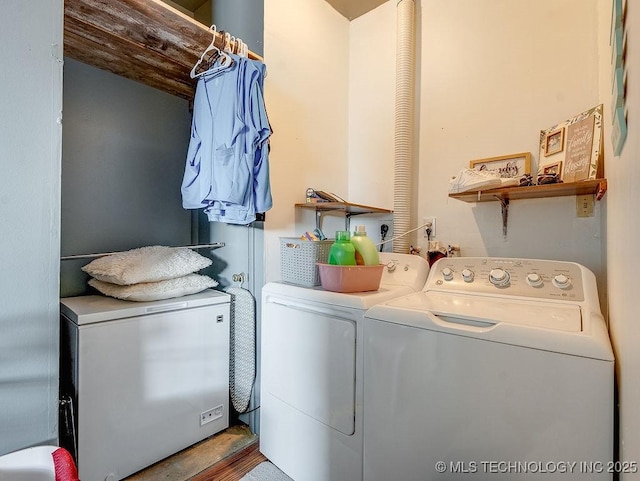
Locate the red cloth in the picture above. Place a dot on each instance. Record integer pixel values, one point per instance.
(64, 466)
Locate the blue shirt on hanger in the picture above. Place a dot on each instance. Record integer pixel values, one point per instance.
(227, 167)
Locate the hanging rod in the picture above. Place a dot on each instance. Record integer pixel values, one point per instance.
(215, 245)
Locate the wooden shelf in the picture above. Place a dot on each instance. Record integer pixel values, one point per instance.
(346, 207)
(143, 40)
(597, 187)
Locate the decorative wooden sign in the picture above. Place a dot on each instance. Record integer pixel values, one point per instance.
(579, 147)
(514, 165)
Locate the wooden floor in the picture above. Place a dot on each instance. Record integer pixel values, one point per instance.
(234, 467)
(227, 456)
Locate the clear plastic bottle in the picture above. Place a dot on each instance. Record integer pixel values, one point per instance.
(342, 251)
(366, 252)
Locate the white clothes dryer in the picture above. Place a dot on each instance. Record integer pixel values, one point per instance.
(311, 372)
(500, 369)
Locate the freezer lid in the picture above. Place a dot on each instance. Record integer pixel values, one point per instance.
(96, 308)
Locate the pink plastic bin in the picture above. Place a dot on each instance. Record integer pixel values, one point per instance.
(350, 278)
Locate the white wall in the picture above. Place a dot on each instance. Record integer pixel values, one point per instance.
(372, 64)
(490, 76)
(493, 75)
(306, 92)
(30, 151)
(623, 239)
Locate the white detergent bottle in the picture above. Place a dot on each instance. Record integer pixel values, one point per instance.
(366, 252)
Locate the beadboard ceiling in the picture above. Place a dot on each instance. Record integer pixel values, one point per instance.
(354, 8)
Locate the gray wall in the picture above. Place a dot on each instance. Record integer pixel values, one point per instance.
(243, 19)
(123, 154)
(30, 137)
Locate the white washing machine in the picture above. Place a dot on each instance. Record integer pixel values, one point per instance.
(311, 372)
(498, 369)
(147, 379)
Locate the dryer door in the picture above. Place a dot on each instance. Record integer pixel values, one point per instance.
(309, 361)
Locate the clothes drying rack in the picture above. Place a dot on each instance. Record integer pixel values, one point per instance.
(215, 245)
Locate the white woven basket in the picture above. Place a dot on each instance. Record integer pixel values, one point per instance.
(298, 260)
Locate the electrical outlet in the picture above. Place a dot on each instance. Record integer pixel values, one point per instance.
(384, 232)
(584, 205)
(211, 415)
(429, 223)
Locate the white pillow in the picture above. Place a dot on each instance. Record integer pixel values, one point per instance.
(146, 264)
(154, 291)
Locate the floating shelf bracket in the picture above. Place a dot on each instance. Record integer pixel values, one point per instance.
(347, 218)
(504, 208)
(319, 220)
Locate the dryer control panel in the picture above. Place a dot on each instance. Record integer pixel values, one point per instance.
(535, 278)
(404, 270)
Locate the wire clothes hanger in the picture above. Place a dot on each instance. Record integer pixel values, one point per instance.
(221, 57)
(225, 61)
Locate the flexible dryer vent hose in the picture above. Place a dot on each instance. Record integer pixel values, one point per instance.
(404, 122)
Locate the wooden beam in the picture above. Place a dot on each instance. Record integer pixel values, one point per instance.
(144, 40)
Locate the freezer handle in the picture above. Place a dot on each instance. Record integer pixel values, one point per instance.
(166, 307)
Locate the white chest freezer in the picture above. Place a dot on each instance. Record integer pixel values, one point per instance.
(147, 379)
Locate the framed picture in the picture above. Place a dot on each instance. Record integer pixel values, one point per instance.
(577, 143)
(514, 165)
(554, 142)
(553, 169)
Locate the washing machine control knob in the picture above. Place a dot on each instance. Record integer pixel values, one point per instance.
(391, 266)
(534, 280)
(499, 277)
(447, 274)
(467, 275)
(562, 281)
